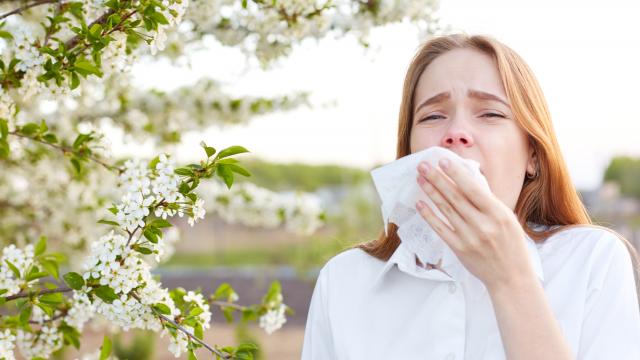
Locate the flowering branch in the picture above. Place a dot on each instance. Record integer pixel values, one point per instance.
(26, 7)
(79, 152)
(38, 293)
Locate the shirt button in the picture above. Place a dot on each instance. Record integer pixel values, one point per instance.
(450, 356)
(452, 289)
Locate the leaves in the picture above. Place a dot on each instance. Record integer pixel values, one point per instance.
(105, 349)
(74, 280)
(232, 150)
(105, 293)
(162, 308)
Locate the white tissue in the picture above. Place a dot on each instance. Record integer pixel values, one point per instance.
(399, 191)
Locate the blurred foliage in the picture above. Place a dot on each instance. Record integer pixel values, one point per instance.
(244, 335)
(138, 348)
(358, 220)
(625, 171)
(304, 177)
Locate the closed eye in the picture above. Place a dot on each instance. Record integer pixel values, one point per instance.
(432, 117)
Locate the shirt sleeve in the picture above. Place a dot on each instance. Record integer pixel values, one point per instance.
(318, 339)
(611, 323)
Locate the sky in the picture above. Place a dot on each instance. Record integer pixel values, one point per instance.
(584, 54)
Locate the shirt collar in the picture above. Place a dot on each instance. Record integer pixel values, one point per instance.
(405, 260)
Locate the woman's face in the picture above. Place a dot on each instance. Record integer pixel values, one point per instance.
(459, 106)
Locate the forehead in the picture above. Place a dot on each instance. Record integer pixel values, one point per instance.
(457, 71)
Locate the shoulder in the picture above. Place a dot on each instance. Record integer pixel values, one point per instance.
(595, 249)
(350, 267)
(594, 239)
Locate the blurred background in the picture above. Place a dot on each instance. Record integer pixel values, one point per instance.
(583, 53)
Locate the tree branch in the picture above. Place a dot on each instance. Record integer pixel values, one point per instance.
(66, 149)
(25, 7)
(163, 317)
(41, 292)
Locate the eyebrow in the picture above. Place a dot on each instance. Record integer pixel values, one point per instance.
(477, 94)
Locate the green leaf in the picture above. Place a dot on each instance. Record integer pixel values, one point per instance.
(25, 315)
(184, 171)
(74, 280)
(238, 169)
(50, 138)
(226, 174)
(142, 250)
(75, 80)
(232, 150)
(52, 298)
(105, 293)
(95, 30)
(5, 35)
(41, 246)
(160, 223)
(86, 68)
(162, 308)
(13, 268)
(77, 166)
(228, 313)
(4, 129)
(192, 355)
(43, 126)
(29, 129)
(150, 236)
(70, 335)
(197, 331)
(108, 222)
(36, 275)
(51, 267)
(105, 349)
(223, 291)
(154, 162)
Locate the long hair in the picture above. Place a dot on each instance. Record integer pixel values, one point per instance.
(550, 198)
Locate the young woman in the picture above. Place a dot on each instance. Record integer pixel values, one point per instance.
(575, 298)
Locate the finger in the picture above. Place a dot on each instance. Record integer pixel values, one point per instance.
(451, 193)
(458, 225)
(478, 195)
(443, 230)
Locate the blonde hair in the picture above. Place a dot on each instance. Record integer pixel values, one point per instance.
(550, 198)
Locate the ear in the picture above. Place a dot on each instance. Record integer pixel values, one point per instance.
(533, 160)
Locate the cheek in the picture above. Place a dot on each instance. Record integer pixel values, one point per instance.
(423, 138)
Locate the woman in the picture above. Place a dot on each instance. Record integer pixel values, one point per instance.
(575, 298)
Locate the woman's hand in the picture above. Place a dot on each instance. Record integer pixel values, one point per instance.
(486, 235)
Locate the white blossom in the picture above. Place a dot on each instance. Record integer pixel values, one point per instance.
(273, 319)
(198, 212)
(7, 344)
(22, 260)
(40, 343)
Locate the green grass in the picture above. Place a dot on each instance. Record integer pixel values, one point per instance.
(304, 256)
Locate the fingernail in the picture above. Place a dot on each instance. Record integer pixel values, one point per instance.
(444, 163)
(424, 167)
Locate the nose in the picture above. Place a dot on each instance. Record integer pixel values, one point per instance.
(457, 137)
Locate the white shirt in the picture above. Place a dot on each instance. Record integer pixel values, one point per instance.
(365, 308)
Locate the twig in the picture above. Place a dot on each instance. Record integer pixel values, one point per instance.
(228, 304)
(25, 7)
(66, 149)
(41, 292)
(56, 317)
(163, 317)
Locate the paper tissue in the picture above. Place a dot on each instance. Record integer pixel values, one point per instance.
(399, 191)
